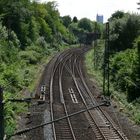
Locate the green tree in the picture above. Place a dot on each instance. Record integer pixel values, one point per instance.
(45, 30)
(123, 32)
(66, 21)
(75, 19)
(33, 29)
(117, 15)
(85, 24)
(16, 15)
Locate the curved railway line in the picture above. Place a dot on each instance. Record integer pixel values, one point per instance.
(69, 93)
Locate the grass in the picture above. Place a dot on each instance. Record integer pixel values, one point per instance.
(132, 110)
(28, 76)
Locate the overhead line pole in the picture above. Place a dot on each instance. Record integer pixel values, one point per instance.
(108, 56)
(106, 71)
(95, 51)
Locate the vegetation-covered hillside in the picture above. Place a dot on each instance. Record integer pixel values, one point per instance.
(29, 33)
(124, 60)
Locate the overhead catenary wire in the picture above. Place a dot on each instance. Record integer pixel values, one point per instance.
(56, 120)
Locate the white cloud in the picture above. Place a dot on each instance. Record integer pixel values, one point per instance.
(89, 8)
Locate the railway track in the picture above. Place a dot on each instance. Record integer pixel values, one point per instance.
(58, 107)
(105, 127)
(69, 93)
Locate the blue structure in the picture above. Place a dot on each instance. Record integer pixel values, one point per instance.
(99, 18)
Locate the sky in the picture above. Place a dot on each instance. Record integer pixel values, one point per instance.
(90, 8)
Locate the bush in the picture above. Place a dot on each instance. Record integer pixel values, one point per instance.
(32, 57)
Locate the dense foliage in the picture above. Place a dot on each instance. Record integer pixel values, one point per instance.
(125, 28)
(85, 30)
(124, 45)
(33, 22)
(29, 33)
(124, 53)
(124, 60)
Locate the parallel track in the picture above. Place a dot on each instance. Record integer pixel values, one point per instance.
(63, 129)
(99, 121)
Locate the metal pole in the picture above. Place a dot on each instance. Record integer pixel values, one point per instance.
(95, 45)
(106, 62)
(104, 69)
(108, 54)
(94, 54)
(1, 114)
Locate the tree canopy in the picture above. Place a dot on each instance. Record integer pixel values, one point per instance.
(124, 29)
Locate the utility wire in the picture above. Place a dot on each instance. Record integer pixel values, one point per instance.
(56, 120)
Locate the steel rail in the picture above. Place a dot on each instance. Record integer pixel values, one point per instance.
(62, 94)
(90, 114)
(76, 84)
(56, 65)
(78, 67)
(50, 122)
(73, 66)
(120, 134)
